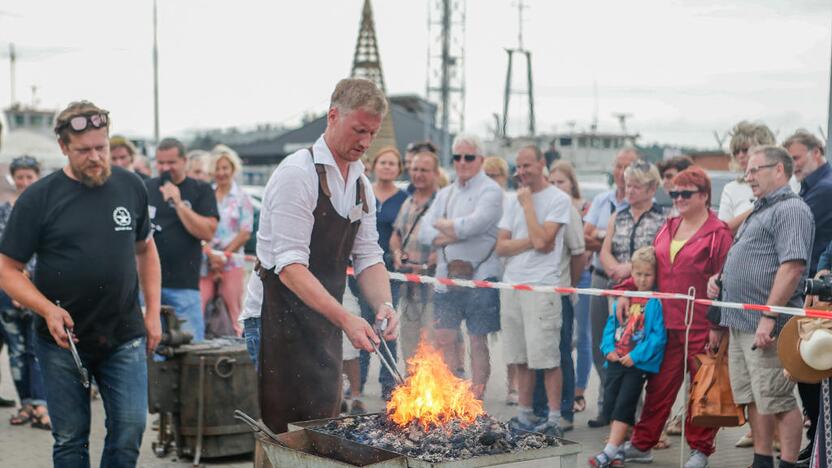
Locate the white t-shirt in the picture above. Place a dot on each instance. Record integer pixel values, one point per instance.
(532, 267)
(737, 198)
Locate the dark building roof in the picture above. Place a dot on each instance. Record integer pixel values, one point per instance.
(413, 120)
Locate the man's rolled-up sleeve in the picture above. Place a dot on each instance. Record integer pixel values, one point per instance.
(291, 217)
(365, 250)
(487, 213)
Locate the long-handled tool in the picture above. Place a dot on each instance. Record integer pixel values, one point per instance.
(391, 364)
(85, 376)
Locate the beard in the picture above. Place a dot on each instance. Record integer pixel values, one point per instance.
(90, 180)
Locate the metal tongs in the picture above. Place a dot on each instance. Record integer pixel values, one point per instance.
(85, 376)
(391, 364)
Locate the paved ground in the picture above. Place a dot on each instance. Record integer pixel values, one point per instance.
(26, 447)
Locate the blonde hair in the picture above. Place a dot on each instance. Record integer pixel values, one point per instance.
(496, 163)
(223, 152)
(746, 135)
(387, 149)
(642, 172)
(566, 168)
(119, 141)
(644, 255)
(358, 93)
(442, 180)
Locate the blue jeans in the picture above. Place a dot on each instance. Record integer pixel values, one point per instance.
(584, 345)
(251, 332)
(18, 327)
(122, 381)
(188, 306)
(540, 402)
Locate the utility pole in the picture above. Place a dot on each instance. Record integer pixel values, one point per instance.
(529, 91)
(155, 79)
(829, 109)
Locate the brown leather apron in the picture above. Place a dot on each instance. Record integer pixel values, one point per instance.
(300, 350)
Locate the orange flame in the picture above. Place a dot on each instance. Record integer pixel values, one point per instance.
(432, 395)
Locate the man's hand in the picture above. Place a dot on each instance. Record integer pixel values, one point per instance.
(153, 327)
(821, 273)
(714, 338)
(713, 288)
(612, 357)
(171, 192)
(445, 226)
(385, 312)
(359, 332)
(524, 196)
(620, 272)
(626, 361)
(621, 307)
(56, 319)
(442, 240)
(762, 338)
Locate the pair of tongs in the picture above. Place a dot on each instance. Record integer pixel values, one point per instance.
(391, 364)
(85, 376)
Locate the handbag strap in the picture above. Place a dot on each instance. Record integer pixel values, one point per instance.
(444, 254)
(416, 221)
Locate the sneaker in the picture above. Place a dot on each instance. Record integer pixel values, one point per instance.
(697, 460)
(566, 425)
(512, 398)
(632, 454)
(515, 423)
(598, 422)
(602, 460)
(745, 441)
(549, 429)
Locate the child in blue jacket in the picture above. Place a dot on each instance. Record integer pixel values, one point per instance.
(633, 349)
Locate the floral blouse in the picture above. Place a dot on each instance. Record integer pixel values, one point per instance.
(236, 214)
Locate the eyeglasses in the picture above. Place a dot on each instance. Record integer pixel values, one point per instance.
(740, 150)
(685, 194)
(494, 175)
(754, 170)
(79, 123)
(468, 157)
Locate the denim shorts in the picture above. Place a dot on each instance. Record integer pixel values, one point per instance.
(480, 308)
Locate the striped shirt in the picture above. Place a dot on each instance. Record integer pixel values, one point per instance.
(780, 229)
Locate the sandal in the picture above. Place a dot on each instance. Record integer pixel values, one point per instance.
(579, 405)
(663, 443)
(24, 415)
(41, 421)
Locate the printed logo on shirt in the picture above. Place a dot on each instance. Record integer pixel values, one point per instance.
(122, 219)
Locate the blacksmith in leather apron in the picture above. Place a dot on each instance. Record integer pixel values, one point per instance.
(300, 350)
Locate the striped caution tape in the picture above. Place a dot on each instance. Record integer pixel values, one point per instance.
(422, 279)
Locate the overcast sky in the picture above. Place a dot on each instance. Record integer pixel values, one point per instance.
(683, 68)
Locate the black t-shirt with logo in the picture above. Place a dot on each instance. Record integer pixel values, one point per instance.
(179, 251)
(85, 240)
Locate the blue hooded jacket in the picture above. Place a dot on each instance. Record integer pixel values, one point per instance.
(648, 353)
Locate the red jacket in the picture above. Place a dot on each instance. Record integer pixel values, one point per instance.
(700, 258)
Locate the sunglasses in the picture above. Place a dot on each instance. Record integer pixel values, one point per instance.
(419, 147)
(685, 194)
(640, 165)
(468, 157)
(739, 151)
(79, 123)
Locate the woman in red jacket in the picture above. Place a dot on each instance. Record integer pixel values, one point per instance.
(689, 249)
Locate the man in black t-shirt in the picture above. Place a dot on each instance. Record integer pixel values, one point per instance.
(183, 212)
(88, 224)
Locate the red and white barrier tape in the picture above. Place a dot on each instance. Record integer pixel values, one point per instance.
(421, 279)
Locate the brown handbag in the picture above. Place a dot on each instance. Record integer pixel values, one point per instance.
(711, 400)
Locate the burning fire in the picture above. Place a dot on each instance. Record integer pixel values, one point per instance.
(432, 395)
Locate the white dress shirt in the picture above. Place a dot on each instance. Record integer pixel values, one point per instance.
(475, 208)
(290, 198)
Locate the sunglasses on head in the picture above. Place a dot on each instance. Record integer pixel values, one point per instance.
(468, 157)
(421, 146)
(640, 165)
(685, 194)
(79, 123)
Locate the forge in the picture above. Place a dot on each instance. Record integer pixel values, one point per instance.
(433, 420)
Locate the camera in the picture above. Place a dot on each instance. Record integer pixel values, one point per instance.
(821, 287)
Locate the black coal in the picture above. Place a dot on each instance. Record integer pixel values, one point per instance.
(452, 441)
